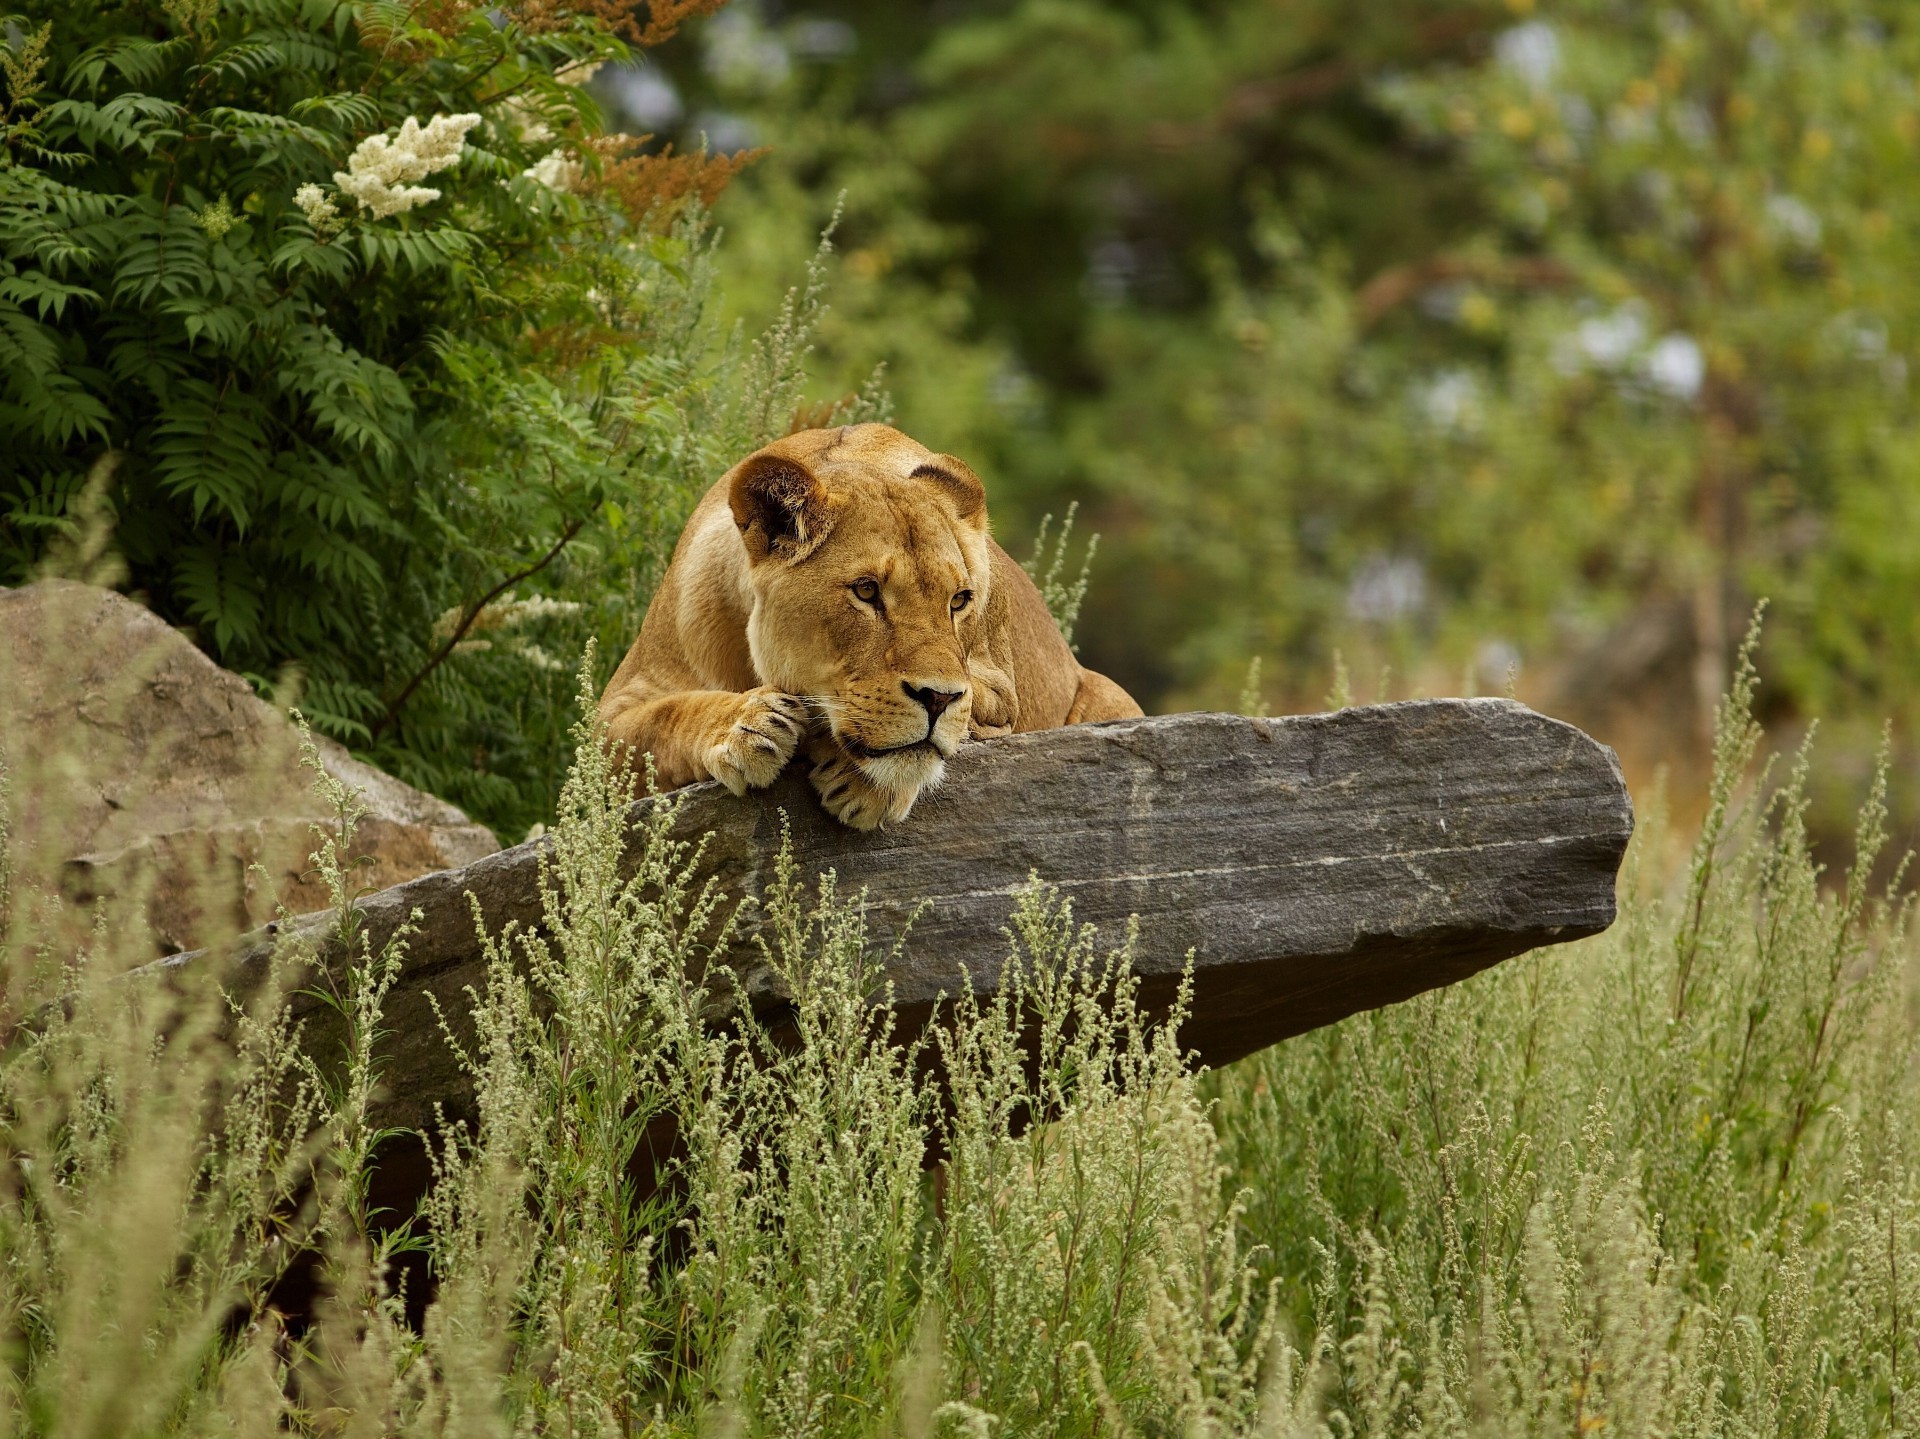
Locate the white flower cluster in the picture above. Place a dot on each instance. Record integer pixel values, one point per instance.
(217, 219)
(557, 170)
(535, 607)
(321, 212)
(507, 612)
(525, 120)
(382, 171)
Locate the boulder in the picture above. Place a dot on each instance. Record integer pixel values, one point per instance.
(1312, 867)
(144, 767)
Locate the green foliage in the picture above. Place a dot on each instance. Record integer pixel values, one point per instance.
(363, 428)
(783, 1267)
(174, 1152)
(810, 1265)
(1046, 567)
(1450, 336)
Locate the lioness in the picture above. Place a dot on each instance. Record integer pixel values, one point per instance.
(838, 590)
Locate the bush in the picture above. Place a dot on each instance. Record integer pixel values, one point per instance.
(351, 428)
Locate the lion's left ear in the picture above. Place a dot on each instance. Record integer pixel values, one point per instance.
(961, 485)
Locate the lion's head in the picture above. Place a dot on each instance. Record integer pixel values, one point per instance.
(869, 565)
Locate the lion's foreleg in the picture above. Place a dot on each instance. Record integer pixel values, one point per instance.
(743, 740)
(994, 700)
(848, 794)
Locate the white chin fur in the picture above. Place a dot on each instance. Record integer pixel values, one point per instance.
(904, 772)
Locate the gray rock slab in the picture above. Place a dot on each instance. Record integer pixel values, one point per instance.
(1315, 866)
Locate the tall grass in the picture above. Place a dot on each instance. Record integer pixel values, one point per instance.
(1654, 1183)
(1660, 1182)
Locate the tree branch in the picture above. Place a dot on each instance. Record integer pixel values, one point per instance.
(1253, 101)
(466, 623)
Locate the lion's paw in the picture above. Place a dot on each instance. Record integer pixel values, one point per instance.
(763, 736)
(849, 796)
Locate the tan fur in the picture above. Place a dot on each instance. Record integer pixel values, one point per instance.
(758, 643)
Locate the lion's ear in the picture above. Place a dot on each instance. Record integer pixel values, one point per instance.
(780, 507)
(961, 485)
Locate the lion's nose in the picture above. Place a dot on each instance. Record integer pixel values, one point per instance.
(933, 701)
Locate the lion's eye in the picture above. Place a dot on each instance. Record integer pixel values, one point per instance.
(866, 591)
(962, 600)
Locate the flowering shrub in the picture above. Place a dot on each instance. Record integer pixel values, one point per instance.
(321, 404)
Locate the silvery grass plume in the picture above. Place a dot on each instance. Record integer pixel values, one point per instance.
(1656, 1183)
(784, 1265)
(180, 1145)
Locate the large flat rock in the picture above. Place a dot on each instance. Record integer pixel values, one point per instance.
(1315, 866)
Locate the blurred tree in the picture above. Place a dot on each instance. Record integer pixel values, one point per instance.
(1476, 340)
(1473, 338)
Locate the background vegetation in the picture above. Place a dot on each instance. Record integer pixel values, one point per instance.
(1537, 337)
(1476, 344)
(403, 447)
(1449, 346)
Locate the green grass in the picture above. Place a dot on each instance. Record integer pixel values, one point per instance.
(1657, 1182)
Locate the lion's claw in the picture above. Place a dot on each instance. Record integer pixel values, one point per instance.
(762, 738)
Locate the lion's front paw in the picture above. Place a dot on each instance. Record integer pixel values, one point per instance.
(753, 750)
(849, 796)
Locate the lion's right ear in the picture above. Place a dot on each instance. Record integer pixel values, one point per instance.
(961, 486)
(780, 507)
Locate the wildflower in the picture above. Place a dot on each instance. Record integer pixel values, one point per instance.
(217, 219)
(382, 171)
(505, 613)
(321, 212)
(191, 17)
(539, 658)
(539, 607)
(557, 170)
(525, 121)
